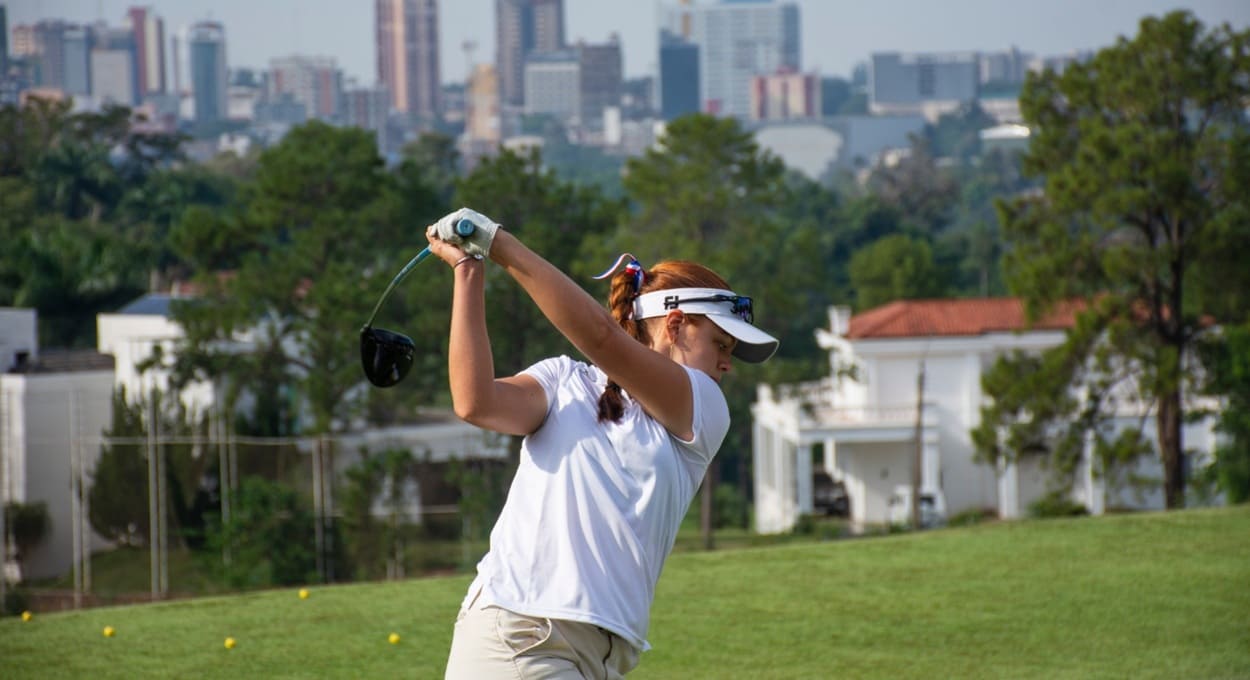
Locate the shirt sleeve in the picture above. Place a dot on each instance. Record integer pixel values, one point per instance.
(710, 421)
(550, 373)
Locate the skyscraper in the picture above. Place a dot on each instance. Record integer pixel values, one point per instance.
(481, 120)
(149, 37)
(75, 60)
(407, 48)
(114, 68)
(738, 40)
(679, 76)
(4, 42)
(207, 42)
(315, 82)
(367, 108)
(928, 83)
(600, 78)
(524, 27)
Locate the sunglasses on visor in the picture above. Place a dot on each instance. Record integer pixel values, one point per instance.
(742, 307)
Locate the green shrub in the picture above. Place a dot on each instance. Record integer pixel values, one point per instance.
(972, 516)
(1056, 504)
(730, 508)
(270, 537)
(15, 602)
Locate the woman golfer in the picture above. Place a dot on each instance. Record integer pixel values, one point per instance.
(614, 451)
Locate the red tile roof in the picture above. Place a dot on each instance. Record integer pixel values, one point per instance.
(977, 316)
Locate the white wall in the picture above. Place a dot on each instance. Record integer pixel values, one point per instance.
(871, 472)
(52, 416)
(17, 334)
(132, 339)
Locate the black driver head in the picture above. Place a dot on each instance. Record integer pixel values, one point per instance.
(386, 355)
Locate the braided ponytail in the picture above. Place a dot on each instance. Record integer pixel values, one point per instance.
(621, 306)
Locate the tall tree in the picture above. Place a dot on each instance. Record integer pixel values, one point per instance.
(896, 267)
(322, 248)
(1145, 152)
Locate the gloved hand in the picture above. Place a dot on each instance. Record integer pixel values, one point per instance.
(476, 243)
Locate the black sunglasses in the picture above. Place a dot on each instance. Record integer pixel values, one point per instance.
(742, 306)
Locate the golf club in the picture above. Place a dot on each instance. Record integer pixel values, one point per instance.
(387, 355)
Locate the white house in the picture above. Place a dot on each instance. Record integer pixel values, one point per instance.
(53, 405)
(133, 334)
(914, 368)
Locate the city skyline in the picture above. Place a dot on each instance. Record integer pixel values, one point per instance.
(834, 36)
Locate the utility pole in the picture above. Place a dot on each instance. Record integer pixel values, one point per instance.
(75, 499)
(917, 464)
(154, 522)
(4, 496)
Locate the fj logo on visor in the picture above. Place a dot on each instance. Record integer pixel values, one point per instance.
(671, 301)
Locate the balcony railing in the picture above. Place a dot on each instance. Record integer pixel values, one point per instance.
(817, 415)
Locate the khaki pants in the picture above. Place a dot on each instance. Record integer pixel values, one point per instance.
(491, 642)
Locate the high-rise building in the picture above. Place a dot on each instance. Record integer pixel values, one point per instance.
(922, 83)
(149, 40)
(44, 45)
(4, 42)
(600, 80)
(207, 46)
(315, 82)
(24, 41)
(481, 105)
(552, 85)
(367, 108)
(679, 76)
(407, 49)
(76, 60)
(524, 27)
(114, 69)
(785, 96)
(738, 40)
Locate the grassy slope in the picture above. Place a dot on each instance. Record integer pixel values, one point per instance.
(1129, 596)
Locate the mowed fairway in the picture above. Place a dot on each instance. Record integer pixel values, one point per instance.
(1134, 596)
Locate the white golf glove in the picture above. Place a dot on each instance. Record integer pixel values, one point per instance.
(476, 243)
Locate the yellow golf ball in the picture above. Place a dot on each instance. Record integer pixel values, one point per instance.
(229, 643)
(26, 616)
(393, 639)
(108, 631)
(303, 593)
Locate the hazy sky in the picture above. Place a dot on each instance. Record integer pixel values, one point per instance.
(835, 33)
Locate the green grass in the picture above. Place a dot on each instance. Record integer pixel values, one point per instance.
(1140, 596)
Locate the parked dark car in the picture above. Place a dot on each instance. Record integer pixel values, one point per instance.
(829, 496)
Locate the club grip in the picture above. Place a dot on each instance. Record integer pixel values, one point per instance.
(465, 227)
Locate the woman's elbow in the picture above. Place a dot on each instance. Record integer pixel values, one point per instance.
(470, 410)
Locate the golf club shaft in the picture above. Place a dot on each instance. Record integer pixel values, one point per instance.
(425, 252)
(464, 227)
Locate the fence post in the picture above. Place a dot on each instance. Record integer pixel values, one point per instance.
(4, 496)
(85, 500)
(318, 535)
(327, 505)
(75, 500)
(162, 513)
(153, 520)
(223, 482)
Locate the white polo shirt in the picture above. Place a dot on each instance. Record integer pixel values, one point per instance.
(594, 508)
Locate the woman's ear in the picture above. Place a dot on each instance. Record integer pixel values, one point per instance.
(672, 324)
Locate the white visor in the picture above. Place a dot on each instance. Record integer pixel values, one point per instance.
(754, 345)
